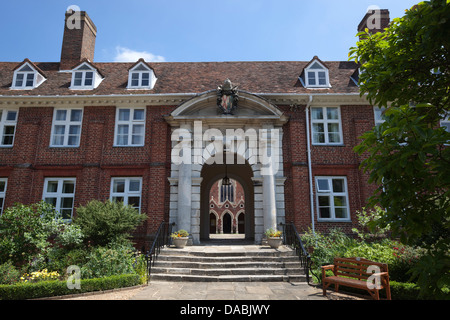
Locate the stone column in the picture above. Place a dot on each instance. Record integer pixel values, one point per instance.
(185, 187)
(268, 160)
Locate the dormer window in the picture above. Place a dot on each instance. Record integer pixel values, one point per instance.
(316, 75)
(27, 77)
(85, 77)
(141, 76)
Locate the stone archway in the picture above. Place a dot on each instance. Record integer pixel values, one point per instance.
(200, 133)
(243, 174)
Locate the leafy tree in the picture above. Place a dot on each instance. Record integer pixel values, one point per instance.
(406, 69)
(104, 222)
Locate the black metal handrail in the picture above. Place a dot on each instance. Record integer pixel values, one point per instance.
(292, 238)
(161, 239)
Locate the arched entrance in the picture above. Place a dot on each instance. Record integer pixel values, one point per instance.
(243, 174)
(212, 223)
(241, 222)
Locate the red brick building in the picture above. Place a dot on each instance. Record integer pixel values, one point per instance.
(76, 130)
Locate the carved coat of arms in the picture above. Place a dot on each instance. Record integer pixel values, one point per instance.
(227, 97)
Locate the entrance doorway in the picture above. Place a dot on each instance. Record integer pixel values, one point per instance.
(227, 223)
(227, 202)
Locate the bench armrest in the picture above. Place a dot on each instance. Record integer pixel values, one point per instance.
(328, 267)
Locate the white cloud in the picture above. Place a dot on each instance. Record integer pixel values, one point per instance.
(127, 55)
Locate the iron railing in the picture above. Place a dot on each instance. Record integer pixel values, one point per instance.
(292, 239)
(161, 239)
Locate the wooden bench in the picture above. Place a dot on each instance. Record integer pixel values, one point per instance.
(357, 273)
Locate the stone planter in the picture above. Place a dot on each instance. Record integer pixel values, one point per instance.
(180, 242)
(274, 242)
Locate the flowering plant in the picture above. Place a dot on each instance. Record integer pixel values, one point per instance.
(43, 275)
(179, 234)
(271, 233)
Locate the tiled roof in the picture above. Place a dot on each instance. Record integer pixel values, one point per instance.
(188, 77)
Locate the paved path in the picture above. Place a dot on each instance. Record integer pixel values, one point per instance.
(228, 291)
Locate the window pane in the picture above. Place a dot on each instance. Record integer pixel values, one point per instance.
(117, 199)
(51, 201)
(68, 187)
(75, 115)
(323, 185)
(10, 116)
(319, 137)
(2, 186)
(60, 130)
(135, 185)
(66, 214)
(340, 213)
(324, 213)
(52, 186)
(316, 113)
(30, 80)
(135, 76)
(137, 140)
(19, 80)
(333, 127)
(78, 77)
(66, 203)
(61, 115)
(88, 80)
(134, 201)
(311, 78)
(338, 185)
(334, 138)
(119, 186)
(138, 114)
(124, 114)
(123, 129)
(324, 201)
(332, 114)
(58, 140)
(340, 201)
(322, 78)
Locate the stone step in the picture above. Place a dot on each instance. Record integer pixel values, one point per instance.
(226, 265)
(230, 272)
(226, 259)
(227, 278)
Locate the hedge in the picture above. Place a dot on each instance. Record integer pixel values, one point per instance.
(22, 291)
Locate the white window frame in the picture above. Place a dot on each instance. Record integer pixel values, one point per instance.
(325, 121)
(151, 77)
(331, 194)
(4, 122)
(59, 195)
(96, 78)
(37, 78)
(378, 115)
(130, 123)
(315, 71)
(126, 194)
(3, 194)
(66, 123)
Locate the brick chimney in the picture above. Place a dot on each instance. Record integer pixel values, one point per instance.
(79, 39)
(376, 20)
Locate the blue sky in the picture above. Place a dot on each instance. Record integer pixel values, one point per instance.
(192, 31)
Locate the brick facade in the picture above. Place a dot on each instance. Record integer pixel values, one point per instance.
(97, 160)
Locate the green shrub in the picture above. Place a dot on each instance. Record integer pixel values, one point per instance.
(8, 273)
(22, 291)
(104, 222)
(114, 259)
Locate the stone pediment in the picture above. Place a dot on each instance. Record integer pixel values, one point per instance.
(205, 106)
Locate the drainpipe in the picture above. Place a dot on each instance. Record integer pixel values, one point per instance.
(308, 143)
